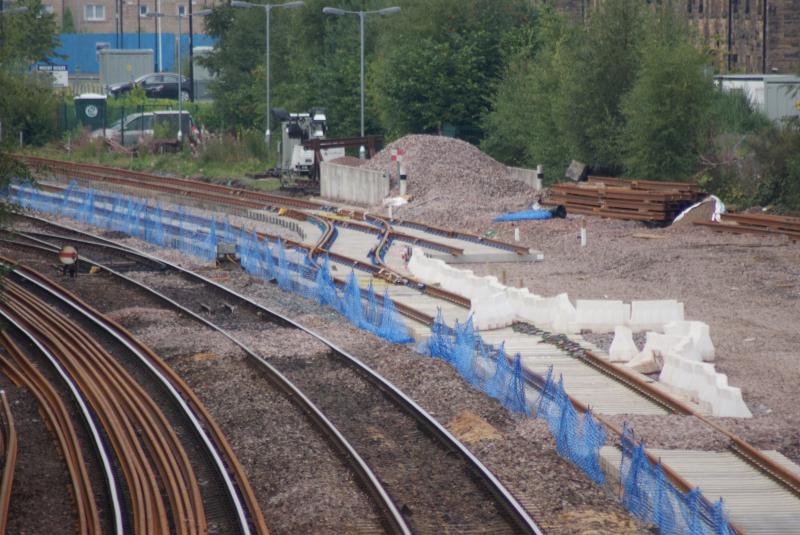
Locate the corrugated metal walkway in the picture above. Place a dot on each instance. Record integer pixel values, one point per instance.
(755, 503)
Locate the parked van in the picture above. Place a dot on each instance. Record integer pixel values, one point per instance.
(143, 127)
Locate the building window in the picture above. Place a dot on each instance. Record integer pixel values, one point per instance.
(747, 7)
(689, 6)
(143, 11)
(94, 12)
(181, 10)
(700, 6)
(48, 9)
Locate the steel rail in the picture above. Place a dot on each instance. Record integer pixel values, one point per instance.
(187, 187)
(115, 499)
(393, 520)
(133, 434)
(23, 373)
(10, 449)
(509, 503)
(180, 392)
(634, 382)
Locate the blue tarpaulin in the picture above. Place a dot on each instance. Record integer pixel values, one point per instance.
(524, 215)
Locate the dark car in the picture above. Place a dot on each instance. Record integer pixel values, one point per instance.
(155, 85)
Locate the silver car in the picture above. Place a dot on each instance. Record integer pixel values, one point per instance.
(139, 128)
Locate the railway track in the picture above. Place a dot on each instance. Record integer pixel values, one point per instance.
(152, 459)
(427, 468)
(632, 382)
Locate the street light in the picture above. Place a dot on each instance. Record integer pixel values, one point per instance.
(335, 11)
(267, 9)
(201, 13)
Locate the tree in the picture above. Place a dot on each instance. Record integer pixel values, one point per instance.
(441, 63)
(27, 37)
(67, 21)
(669, 105)
(28, 106)
(521, 129)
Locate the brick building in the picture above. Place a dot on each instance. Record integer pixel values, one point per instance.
(734, 29)
(102, 16)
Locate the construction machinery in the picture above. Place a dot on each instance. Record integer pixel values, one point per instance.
(297, 128)
(304, 146)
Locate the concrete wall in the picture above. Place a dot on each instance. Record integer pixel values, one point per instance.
(527, 176)
(351, 184)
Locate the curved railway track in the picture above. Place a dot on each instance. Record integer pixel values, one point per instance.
(419, 489)
(150, 455)
(632, 381)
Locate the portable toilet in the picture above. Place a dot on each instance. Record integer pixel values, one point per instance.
(90, 109)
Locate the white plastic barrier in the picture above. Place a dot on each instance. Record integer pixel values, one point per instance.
(600, 315)
(493, 312)
(700, 382)
(653, 315)
(698, 331)
(622, 349)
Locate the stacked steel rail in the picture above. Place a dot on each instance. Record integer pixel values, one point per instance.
(152, 458)
(640, 200)
(22, 372)
(8, 448)
(756, 224)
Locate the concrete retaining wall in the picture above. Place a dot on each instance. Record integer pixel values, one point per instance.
(351, 184)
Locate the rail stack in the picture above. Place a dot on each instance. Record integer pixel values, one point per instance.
(756, 224)
(640, 200)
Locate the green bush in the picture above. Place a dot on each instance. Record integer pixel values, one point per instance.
(27, 106)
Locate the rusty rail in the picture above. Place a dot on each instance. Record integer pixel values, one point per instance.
(23, 373)
(9, 450)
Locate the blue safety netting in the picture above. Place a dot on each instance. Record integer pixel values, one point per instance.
(525, 215)
(464, 349)
(650, 496)
(579, 437)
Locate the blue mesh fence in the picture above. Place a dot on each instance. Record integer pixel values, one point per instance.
(462, 347)
(650, 496)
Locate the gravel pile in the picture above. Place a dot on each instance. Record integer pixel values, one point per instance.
(452, 182)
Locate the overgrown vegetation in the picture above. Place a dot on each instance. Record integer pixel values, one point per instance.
(628, 91)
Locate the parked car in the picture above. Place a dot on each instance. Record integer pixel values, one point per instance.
(143, 127)
(155, 85)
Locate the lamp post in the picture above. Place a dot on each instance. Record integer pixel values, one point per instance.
(267, 9)
(362, 152)
(202, 13)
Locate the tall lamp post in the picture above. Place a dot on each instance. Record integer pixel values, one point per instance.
(362, 152)
(202, 13)
(267, 9)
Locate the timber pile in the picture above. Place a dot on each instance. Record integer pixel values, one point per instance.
(640, 200)
(756, 224)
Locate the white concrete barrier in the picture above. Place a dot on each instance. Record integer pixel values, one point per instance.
(698, 331)
(622, 349)
(353, 184)
(600, 315)
(493, 312)
(653, 315)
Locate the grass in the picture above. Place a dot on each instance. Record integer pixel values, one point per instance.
(223, 159)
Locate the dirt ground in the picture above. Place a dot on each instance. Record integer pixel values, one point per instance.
(746, 287)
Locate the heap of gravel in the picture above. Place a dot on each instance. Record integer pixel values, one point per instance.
(451, 181)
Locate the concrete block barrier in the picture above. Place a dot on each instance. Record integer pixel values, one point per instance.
(653, 315)
(493, 312)
(601, 315)
(622, 349)
(698, 331)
